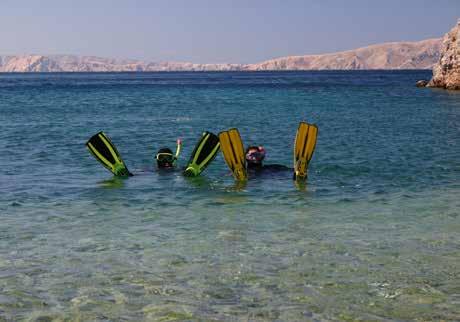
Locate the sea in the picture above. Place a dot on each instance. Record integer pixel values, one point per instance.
(373, 235)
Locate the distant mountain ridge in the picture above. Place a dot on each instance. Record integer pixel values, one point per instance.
(397, 55)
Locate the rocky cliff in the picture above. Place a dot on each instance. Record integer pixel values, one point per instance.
(402, 55)
(446, 73)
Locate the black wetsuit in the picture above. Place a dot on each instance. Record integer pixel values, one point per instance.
(268, 169)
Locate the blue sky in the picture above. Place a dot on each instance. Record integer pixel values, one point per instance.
(238, 31)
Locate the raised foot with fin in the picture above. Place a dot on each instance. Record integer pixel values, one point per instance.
(304, 146)
(204, 152)
(233, 151)
(102, 148)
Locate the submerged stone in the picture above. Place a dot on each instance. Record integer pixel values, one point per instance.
(421, 83)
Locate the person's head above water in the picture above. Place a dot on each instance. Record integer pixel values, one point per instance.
(255, 156)
(165, 157)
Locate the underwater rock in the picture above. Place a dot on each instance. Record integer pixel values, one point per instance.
(421, 83)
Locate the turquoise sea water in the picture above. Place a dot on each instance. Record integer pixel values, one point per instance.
(375, 234)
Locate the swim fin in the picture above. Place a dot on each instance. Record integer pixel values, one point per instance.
(233, 150)
(205, 151)
(304, 147)
(105, 152)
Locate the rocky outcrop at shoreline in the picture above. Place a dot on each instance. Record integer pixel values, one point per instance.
(401, 55)
(446, 73)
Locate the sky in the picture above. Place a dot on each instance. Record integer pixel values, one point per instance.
(207, 31)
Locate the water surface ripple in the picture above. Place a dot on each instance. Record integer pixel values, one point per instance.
(373, 236)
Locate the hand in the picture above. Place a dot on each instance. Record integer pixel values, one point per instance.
(179, 141)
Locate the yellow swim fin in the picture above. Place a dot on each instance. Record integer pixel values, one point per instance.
(233, 151)
(304, 146)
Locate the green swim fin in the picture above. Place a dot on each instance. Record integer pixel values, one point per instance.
(233, 150)
(105, 152)
(205, 151)
(304, 146)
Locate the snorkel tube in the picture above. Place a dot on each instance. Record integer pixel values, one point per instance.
(178, 148)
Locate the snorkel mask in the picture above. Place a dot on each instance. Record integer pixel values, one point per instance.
(165, 158)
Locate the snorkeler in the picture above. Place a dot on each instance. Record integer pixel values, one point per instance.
(245, 162)
(165, 157)
(241, 162)
(102, 148)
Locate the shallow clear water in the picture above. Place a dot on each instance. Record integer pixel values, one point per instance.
(375, 235)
